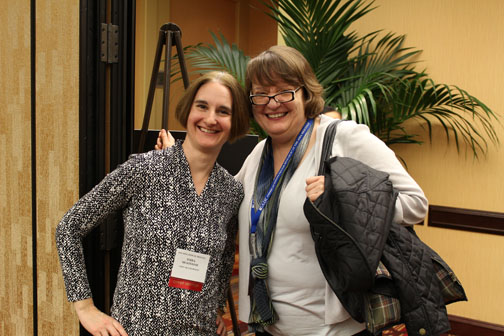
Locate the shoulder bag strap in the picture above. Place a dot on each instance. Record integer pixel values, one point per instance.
(327, 145)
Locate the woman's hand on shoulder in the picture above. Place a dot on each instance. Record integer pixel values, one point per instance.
(164, 140)
(96, 322)
(314, 187)
(221, 326)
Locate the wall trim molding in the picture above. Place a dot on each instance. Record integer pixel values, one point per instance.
(466, 219)
(463, 326)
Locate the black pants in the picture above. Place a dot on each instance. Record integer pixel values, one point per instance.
(362, 333)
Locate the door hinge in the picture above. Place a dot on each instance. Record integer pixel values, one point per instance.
(109, 50)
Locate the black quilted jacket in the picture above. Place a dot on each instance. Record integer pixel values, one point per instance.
(352, 228)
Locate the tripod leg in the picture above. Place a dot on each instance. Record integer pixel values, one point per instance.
(232, 311)
(180, 54)
(152, 88)
(166, 84)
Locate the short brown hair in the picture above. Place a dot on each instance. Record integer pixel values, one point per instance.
(289, 65)
(240, 104)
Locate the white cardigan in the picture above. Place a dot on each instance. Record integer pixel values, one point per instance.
(304, 301)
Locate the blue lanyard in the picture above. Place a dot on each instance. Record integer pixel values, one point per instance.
(254, 215)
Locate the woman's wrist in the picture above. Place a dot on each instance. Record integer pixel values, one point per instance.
(83, 305)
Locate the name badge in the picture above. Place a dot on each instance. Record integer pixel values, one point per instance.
(189, 270)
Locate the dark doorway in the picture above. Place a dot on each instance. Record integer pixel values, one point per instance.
(105, 124)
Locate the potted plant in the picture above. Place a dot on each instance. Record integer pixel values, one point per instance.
(370, 79)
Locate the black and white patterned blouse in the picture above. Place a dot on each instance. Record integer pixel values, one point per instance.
(162, 212)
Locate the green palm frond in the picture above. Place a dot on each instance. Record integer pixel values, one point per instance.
(318, 29)
(462, 116)
(219, 56)
(370, 74)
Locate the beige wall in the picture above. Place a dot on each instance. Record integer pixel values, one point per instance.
(463, 44)
(56, 162)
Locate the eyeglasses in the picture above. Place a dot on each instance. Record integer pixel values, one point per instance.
(281, 97)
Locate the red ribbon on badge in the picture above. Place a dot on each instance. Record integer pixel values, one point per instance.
(185, 284)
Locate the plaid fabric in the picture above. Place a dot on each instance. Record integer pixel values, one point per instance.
(451, 288)
(381, 270)
(382, 311)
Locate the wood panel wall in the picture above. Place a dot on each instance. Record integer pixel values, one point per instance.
(16, 285)
(55, 144)
(57, 119)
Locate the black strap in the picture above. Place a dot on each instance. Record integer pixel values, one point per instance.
(327, 145)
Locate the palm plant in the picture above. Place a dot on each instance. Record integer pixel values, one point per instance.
(370, 79)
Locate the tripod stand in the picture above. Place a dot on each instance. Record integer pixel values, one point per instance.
(170, 35)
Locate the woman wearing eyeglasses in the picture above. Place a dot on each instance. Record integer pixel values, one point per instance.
(282, 288)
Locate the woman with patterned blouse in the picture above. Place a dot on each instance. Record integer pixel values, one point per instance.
(179, 209)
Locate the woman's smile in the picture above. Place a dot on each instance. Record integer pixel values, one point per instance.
(206, 130)
(276, 115)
